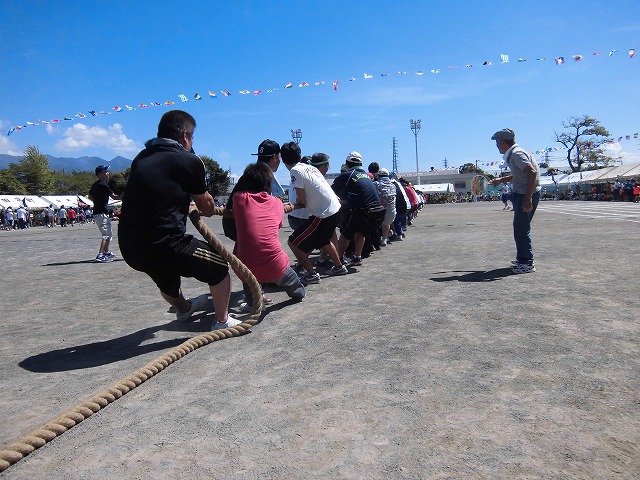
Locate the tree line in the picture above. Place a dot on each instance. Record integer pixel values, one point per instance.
(31, 175)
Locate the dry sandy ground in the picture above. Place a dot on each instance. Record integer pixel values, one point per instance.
(429, 361)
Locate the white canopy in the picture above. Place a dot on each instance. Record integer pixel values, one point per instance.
(434, 188)
(14, 201)
(58, 200)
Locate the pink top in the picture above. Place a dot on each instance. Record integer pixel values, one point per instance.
(258, 218)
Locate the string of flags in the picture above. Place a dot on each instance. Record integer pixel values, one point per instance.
(504, 59)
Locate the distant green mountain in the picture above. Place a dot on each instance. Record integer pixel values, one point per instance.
(81, 164)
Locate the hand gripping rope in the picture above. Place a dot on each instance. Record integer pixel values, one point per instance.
(24, 446)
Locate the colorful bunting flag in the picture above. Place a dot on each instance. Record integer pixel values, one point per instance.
(504, 59)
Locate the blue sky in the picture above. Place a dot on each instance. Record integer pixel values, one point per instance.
(60, 58)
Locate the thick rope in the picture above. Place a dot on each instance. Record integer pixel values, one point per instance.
(24, 446)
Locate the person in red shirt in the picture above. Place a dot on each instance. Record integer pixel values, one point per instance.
(258, 217)
(71, 213)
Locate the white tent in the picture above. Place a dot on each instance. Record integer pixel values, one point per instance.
(58, 200)
(14, 201)
(435, 188)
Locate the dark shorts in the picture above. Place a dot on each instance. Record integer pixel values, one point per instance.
(192, 258)
(314, 233)
(362, 220)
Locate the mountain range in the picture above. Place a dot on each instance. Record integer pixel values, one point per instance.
(68, 164)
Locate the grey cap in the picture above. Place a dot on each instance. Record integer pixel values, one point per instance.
(504, 134)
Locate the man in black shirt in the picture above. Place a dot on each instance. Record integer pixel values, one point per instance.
(152, 236)
(363, 212)
(99, 194)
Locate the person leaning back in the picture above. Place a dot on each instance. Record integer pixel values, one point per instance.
(152, 228)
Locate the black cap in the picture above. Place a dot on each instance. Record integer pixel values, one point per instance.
(268, 148)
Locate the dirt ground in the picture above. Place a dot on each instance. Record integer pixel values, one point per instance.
(429, 361)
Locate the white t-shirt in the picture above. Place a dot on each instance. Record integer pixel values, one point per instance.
(322, 201)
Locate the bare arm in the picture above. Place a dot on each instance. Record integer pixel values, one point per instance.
(205, 203)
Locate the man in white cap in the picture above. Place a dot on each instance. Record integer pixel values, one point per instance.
(364, 213)
(525, 195)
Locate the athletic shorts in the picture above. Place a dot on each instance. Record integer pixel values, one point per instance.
(362, 220)
(192, 258)
(314, 233)
(104, 225)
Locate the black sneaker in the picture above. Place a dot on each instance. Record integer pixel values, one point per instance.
(326, 263)
(356, 261)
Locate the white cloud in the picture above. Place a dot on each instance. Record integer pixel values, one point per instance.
(81, 137)
(616, 150)
(6, 145)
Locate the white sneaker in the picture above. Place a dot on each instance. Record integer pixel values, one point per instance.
(197, 303)
(231, 322)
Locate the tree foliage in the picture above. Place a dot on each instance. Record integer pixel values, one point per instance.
(471, 168)
(33, 172)
(583, 139)
(217, 178)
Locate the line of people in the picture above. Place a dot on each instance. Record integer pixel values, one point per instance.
(167, 176)
(369, 210)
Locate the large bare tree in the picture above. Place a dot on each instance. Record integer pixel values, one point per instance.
(584, 135)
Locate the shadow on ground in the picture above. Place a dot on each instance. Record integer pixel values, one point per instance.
(474, 276)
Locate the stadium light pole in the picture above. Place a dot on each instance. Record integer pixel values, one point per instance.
(296, 135)
(415, 128)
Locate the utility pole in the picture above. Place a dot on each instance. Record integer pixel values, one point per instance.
(445, 163)
(296, 135)
(415, 128)
(394, 168)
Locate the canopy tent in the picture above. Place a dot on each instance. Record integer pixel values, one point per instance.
(622, 171)
(33, 202)
(580, 177)
(435, 188)
(67, 200)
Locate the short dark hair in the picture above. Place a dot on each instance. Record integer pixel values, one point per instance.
(318, 159)
(174, 123)
(374, 167)
(306, 159)
(258, 177)
(290, 153)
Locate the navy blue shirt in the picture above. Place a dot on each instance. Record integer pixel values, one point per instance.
(356, 188)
